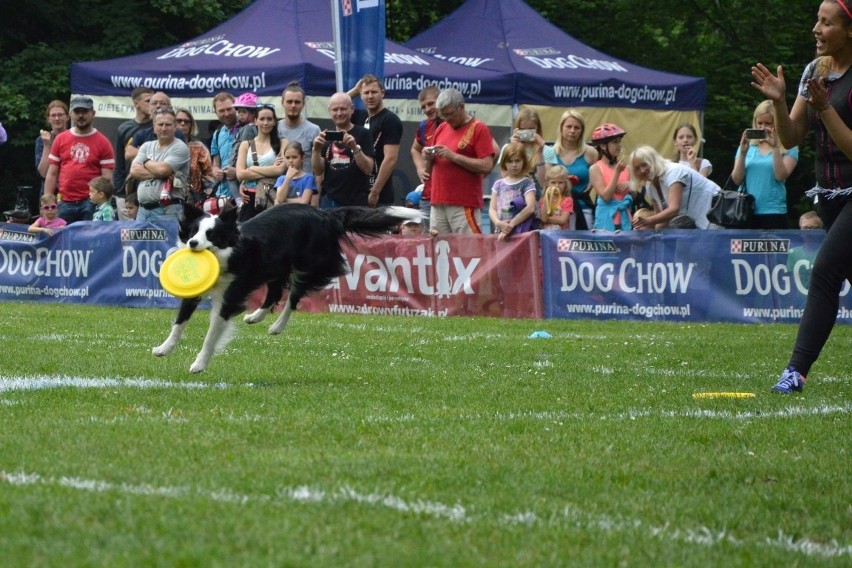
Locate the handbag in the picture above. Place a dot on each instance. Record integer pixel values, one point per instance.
(731, 208)
(264, 195)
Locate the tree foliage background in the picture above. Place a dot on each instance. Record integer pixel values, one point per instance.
(716, 39)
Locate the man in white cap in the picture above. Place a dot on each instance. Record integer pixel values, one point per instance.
(77, 156)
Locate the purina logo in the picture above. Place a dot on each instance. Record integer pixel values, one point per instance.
(536, 51)
(580, 245)
(15, 236)
(760, 246)
(143, 235)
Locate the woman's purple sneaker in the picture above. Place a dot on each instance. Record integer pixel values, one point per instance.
(791, 381)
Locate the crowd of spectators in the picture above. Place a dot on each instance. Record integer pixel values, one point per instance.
(601, 187)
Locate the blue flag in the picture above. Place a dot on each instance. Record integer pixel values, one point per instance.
(359, 40)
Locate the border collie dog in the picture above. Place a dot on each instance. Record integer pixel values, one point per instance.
(293, 246)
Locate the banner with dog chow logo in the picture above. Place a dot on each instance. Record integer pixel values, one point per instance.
(676, 275)
(114, 264)
(449, 275)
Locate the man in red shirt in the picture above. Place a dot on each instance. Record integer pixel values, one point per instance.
(458, 161)
(77, 156)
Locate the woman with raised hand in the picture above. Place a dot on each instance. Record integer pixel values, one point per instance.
(572, 153)
(764, 165)
(822, 105)
(57, 120)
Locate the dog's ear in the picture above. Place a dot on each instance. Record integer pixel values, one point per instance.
(228, 214)
(191, 212)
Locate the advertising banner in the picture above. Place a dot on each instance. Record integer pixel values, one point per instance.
(734, 276)
(359, 36)
(111, 264)
(450, 275)
(119, 264)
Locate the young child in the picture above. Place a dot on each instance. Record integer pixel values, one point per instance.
(513, 196)
(49, 222)
(411, 228)
(295, 186)
(557, 206)
(131, 205)
(100, 193)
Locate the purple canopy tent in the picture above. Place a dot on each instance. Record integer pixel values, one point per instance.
(551, 67)
(552, 70)
(262, 49)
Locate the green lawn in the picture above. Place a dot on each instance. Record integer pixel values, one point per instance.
(382, 441)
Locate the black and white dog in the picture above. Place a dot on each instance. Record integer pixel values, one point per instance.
(289, 246)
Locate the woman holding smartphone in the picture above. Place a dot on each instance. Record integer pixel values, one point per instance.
(763, 164)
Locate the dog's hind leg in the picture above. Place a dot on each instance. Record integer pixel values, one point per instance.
(187, 308)
(282, 320)
(273, 294)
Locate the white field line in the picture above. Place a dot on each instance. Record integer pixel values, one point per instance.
(632, 414)
(38, 382)
(570, 517)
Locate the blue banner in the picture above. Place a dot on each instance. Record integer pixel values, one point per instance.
(734, 276)
(359, 35)
(116, 264)
(730, 276)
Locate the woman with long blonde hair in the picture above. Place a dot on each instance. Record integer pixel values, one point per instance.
(572, 153)
(764, 164)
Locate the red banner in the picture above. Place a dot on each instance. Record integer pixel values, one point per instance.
(449, 275)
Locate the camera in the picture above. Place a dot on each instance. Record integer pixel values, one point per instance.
(526, 135)
(429, 150)
(755, 134)
(334, 136)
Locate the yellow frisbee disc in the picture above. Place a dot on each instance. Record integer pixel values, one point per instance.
(723, 395)
(188, 274)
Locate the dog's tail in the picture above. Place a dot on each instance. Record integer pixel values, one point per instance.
(373, 222)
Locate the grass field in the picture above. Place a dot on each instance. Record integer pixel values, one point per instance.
(380, 441)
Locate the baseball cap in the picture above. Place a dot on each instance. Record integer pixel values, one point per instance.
(82, 102)
(413, 198)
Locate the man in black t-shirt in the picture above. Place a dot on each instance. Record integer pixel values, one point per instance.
(345, 164)
(386, 129)
(126, 130)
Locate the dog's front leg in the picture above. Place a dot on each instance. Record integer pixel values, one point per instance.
(219, 327)
(187, 308)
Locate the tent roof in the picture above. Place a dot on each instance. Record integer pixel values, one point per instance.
(263, 48)
(551, 67)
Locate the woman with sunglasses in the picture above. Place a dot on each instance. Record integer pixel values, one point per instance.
(201, 178)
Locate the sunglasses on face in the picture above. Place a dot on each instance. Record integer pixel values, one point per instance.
(48, 207)
(182, 120)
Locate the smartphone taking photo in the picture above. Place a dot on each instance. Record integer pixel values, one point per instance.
(755, 134)
(526, 135)
(334, 136)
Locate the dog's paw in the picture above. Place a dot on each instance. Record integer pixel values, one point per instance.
(256, 316)
(276, 328)
(163, 350)
(198, 366)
